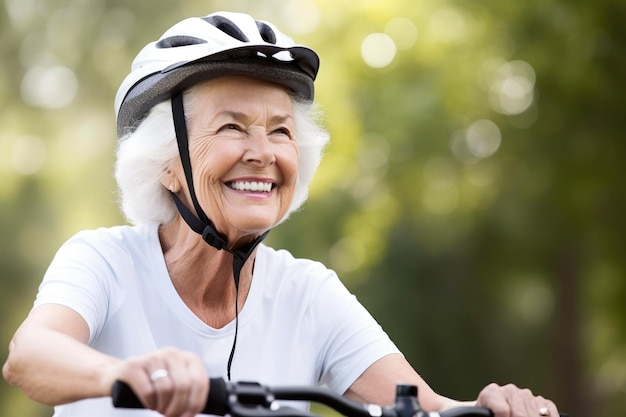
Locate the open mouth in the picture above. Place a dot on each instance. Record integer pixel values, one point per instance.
(255, 186)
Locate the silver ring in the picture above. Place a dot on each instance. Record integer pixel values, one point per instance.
(158, 374)
(544, 411)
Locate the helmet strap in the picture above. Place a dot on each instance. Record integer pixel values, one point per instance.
(201, 223)
(180, 127)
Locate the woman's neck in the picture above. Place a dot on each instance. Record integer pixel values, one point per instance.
(203, 275)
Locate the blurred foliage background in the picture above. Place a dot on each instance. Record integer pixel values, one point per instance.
(472, 196)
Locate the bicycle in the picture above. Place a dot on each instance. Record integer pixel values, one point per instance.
(251, 399)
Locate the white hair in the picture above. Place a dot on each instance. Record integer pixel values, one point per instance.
(143, 156)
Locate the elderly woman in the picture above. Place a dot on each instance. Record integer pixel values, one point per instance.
(218, 142)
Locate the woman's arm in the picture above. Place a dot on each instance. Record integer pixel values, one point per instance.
(377, 385)
(50, 361)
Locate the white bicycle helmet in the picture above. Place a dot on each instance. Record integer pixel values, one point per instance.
(200, 48)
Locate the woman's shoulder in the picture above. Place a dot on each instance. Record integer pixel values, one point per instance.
(281, 269)
(112, 241)
(121, 234)
(284, 260)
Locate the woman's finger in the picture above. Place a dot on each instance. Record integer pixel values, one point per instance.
(492, 397)
(187, 374)
(160, 378)
(200, 384)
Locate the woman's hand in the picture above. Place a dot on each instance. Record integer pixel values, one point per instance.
(511, 401)
(170, 381)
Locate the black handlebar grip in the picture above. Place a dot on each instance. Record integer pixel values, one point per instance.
(217, 400)
(124, 397)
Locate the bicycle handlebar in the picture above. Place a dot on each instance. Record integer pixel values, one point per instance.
(250, 399)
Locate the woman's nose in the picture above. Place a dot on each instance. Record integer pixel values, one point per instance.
(259, 149)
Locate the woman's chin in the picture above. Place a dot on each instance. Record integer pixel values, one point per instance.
(248, 231)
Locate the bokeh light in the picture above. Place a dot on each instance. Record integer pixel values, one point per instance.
(403, 31)
(480, 140)
(483, 138)
(21, 12)
(28, 155)
(301, 16)
(530, 299)
(448, 25)
(49, 87)
(512, 92)
(378, 50)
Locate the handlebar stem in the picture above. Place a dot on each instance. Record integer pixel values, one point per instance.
(252, 393)
(406, 404)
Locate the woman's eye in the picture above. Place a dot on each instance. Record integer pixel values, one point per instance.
(282, 131)
(230, 126)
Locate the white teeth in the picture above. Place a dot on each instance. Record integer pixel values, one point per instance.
(265, 187)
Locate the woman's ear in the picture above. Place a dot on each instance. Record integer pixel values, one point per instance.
(169, 180)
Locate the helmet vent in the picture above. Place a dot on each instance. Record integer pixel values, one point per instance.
(226, 26)
(266, 32)
(176, 41)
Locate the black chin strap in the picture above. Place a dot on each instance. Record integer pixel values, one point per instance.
(201, 223)
(180, 127)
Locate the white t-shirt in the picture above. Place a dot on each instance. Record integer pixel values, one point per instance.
(299, 324)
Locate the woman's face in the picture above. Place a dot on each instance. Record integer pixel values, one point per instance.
(243, 154)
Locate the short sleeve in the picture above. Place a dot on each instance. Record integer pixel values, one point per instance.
(79, 277)
(351, 338)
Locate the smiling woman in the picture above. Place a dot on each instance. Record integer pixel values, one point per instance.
(142, 156)
(239, 133)
(217, 145)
